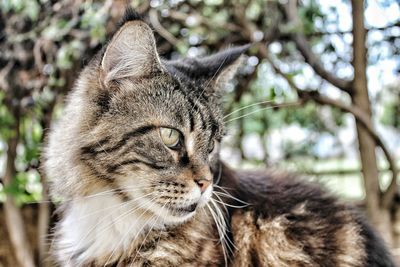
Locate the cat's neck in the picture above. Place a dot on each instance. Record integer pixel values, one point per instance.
(98, 225)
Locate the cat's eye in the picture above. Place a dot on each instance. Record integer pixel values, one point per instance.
(170, 137)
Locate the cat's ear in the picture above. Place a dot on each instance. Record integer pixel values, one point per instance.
(131, 52)
(221, 67)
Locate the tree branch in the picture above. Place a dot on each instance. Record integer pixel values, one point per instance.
(176, 15)
(44, 206)
(153, 16)
(312, 95)
(322, 33)
(304, 48)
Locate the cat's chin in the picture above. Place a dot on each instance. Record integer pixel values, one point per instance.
(181, 214)
(174, 216)
(177, 217)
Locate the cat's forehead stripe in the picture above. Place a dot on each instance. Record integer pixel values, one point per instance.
(190, 144)
(195, 110)
(99, 148)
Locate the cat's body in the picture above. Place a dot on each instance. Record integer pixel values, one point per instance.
(287, 222)
(135, 158)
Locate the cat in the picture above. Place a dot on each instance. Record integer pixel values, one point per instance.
(135, 161)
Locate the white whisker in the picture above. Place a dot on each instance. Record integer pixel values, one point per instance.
(101, 193)
(232, 197)
(226, 210)
(265, 108)
(219, 173)
(229, 205)
(208, 82)
(127, 233)
(248, 106)
(144, 240)
(224, 220)
(111, 207)
(123, 215)
(220, 233)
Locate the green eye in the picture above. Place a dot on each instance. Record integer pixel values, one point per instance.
(170, 137)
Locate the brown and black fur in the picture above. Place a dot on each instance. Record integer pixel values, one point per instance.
(291, 222)
(109, 137)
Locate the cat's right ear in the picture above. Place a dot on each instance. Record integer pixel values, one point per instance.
(130, 53)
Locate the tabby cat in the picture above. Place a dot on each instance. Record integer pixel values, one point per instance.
(135, 161)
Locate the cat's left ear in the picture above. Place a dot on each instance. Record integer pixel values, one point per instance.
(221, 67)
(131, 52)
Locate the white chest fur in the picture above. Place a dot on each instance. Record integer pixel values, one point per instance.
(98, 226)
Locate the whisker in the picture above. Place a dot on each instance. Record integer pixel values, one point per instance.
(229, 205)
(144, 240)
(226, 210)
(111, 207)
(221, 236)
(123, 215)
(127, 233)
(219, 174)
(225, 223)
(248, 106)
(228, 194)
(232, 197)
(208, 82)
(265, 108)
(106, 192)
(224, 187)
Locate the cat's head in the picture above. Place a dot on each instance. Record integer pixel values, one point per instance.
(146, 128)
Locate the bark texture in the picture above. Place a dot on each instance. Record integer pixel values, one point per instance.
(366, 143)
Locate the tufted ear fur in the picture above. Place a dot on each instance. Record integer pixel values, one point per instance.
(219, 68)
(131, 53)
(222, 66)
(228, 73)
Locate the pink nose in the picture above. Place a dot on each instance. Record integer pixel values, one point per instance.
(202, 183)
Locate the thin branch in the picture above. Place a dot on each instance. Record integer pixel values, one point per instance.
(4, 74)
(322, 33)
(44, 206)
(153, 16)
(309, 56)
(176, 15)
(337, 172)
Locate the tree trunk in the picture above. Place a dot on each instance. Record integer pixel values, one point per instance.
(45, 205)
(13, 216)
(380, 218)
(43, 226)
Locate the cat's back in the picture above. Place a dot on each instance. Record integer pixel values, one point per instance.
(291, 222)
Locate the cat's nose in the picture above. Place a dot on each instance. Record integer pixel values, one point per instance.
(203, 183)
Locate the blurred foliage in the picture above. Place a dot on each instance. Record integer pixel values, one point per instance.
(391, 108)
(44, 44)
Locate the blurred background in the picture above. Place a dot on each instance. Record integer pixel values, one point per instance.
(319, 94)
